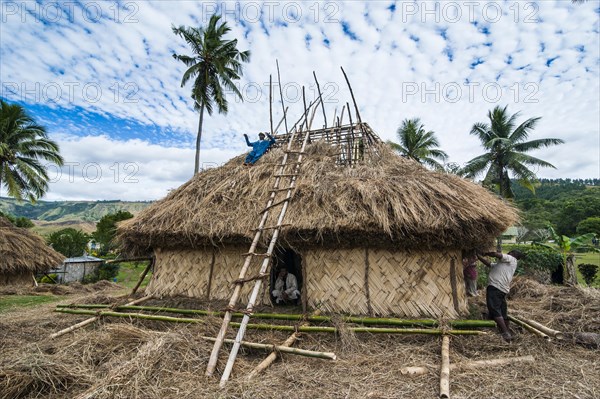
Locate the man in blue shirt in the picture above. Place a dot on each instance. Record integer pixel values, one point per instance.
(258, 148)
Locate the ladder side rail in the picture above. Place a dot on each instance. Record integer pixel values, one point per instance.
(265, 265)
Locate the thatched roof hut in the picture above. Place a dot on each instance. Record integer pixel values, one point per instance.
(23, 253)
(383, 236)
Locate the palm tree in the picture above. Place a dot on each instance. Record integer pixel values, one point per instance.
(506, 148)
(23, 145)
(215, 63)
(417, 144)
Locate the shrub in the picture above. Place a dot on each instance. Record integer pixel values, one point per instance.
(538, 258)
(49, 279)
(588, 271)
(106, 271)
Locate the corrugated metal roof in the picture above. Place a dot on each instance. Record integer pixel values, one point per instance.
(83, 259)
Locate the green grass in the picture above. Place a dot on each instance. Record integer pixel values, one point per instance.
(129, 274)
(589, 257)
(13, 302)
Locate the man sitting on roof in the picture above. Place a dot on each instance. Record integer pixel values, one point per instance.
(258, 148)
(286, 287)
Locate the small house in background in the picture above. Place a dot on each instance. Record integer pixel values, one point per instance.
(510, 235)
(75, 269)
(23, 253)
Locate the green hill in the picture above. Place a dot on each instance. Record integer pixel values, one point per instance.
(50, 216)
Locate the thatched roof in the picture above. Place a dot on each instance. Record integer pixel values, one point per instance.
(388, 202)
(24, 251)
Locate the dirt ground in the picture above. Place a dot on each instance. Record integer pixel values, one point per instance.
(147, 359)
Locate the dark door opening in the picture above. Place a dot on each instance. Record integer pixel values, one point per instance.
(290, 260)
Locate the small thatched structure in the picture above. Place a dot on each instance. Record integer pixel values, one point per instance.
(383, 235)
(22, 254)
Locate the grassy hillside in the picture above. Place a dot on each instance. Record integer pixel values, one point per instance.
(50, 216)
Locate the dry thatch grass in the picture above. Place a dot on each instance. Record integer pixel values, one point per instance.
(116, 359)
(24, 251)
(386, 202)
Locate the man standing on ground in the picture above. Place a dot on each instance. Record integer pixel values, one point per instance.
(499, 279)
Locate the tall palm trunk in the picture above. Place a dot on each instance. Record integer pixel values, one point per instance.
(198, 138)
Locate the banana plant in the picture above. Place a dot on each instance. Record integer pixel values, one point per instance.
(566, 245)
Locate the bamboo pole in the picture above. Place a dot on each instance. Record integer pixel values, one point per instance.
(552, 333)
(299, 317)
(139, 259)
(281, 95)
(93, 319)
(352, 94)
(274, 327)
(445, 368)
(271, 358)
(529, 328)
(282, 119)
(322, 102)
(271, 102)
(34, 280)
(143, 276)
(282, 349)
(470, 365)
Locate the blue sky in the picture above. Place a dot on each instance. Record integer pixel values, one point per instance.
(101, 77)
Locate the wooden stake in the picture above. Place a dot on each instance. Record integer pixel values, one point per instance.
(210, 273)
(93, 319)
(34, 280)
(305, 109)
(142, 276)
(445, 369)
(281, 95)
(352, 94)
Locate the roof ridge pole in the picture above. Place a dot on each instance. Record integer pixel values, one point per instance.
(271, 103)
(281, 95)
(322, 102)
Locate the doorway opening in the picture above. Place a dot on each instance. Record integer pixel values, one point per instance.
(291, 261)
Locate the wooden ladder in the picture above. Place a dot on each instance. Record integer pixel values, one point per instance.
(279, 175)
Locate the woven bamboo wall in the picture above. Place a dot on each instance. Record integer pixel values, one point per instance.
(186, 273)
(408, 284)
(20, 279)
(399, 283)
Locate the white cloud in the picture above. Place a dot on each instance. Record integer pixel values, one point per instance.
(109, 55)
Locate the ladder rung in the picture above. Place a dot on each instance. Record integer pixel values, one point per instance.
(294, 152)
(267, 255)
(287, 175)
(275, 204)
(248, 279)
(272, 227)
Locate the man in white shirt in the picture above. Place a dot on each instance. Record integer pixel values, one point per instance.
(499, 279)
(286, 287)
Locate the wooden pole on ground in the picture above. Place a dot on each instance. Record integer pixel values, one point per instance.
(529, 328)
(281, 348)
(34, 280)
(553, 333)
(139, 259)
(471, 365)
(143, 276)
(93, 319)
(273, 356)
(445, 368)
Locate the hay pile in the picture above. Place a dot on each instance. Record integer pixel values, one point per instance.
(386, 202)
(22, 251)
(116, 359)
